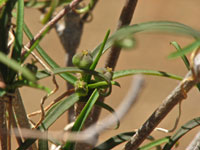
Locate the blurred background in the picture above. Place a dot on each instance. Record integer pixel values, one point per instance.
(150, 52)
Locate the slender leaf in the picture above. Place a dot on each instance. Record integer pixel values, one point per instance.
(102, 84)
(100, 52)
(155, 143)
(21, 83)
(184, 58)
(181, 132)
(166, 26)
(58, 109)
(82, 117)
(17, 67)
(185, 50)
(114, 141)
(68, 77)
(19, 32)
(51, 116)
(123, 73)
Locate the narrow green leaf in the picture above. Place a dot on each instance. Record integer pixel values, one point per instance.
(102, 84)
(21, 83)
(52, 115)
(11, 63)
(155, 143)
(114, 141)
(68, 77)
(185, 50)
(166, 26)
(100, 52)
(181, 132)
(58, 109)
(123, 73)
(82, 117)
(19, 31)
(184, 58)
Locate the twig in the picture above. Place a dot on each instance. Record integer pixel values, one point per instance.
(16, 131)
(3, 125)
(20, 114)
(44, 99)
(53, 21)
(174, 98)
(9, 110)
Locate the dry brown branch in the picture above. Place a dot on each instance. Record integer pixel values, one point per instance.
(176, 96)
(3, 125)
(52, 22)
(20, 114)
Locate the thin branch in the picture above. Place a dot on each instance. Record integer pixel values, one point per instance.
(3, 125)
(20, 114)
(176, 96)
(16, 131)
(125, 19)
(53, 21)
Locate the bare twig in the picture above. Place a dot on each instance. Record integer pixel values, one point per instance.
(88, 135)
(3, 125)
(16, 131)
(44, 99)
(174, 98)
(20, 114)
(9, 110)
(53, 21)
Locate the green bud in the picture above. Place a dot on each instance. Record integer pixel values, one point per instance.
(106, 72)
(83, 60)
(81, 88)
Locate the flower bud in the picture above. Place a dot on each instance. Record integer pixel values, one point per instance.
(81, 88)
(83, 60)
(106, 72)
